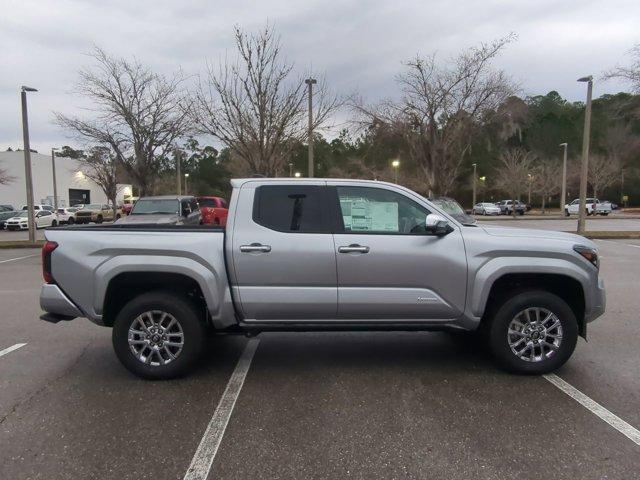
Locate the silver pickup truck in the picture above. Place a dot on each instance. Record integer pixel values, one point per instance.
(323, 254)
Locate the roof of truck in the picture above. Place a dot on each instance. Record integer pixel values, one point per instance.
(167, 197)
(237, 182)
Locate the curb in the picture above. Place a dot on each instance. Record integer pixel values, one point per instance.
(611, 235)
(551, 217)
(21, 244)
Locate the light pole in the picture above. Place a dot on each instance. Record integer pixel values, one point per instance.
(530, 182)
(395, 164)
(483, 179)
(55, 184)
(474, 185)
(178, 168)
(310, 82)
(291, 169)
(582, 213)
(186, 188)
(27, 161)
(563, 194)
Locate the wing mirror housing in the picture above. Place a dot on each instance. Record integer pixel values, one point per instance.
(437, 225)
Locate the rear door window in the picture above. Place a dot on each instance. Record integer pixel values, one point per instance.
(291, 208)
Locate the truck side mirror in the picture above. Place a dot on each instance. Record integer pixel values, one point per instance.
(437, 225)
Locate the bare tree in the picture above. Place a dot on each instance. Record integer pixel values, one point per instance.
(5, 178)
(100, 166)
(443, 106)
(512, 173)
(138, 114)
(254, 106)
(603, 172)
(631, 73)
(546, 176)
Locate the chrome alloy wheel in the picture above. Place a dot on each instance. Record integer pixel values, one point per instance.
(534, 334)
(155, 338)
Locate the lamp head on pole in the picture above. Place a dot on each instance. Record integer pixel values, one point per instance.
(24, 88)
(395, 163)
(310, 81)
(588, 78)
(563, 145)
(186, 175)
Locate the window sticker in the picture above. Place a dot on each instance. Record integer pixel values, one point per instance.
(361, 215)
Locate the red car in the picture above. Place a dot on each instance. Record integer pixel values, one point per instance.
(214, 210)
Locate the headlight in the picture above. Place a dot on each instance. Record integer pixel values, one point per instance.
(591, 254)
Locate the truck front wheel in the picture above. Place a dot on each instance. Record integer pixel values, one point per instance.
(158, 335)
(533, 332)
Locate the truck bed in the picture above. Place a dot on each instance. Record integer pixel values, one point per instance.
(88, 258)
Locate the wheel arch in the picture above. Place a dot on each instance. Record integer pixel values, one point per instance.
(564, 286)
(126, 286)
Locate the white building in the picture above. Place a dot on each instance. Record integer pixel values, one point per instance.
(73, 186)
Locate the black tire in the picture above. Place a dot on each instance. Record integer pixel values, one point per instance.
(71, 221)
(99, 219)
(189, 319)
(566, 213)
(498, 340)
(54, 223)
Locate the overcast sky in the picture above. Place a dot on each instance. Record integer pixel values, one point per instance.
(358, 45)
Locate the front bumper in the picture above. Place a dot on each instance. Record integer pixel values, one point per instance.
(598, 302)
(17, 226)
(55, 302)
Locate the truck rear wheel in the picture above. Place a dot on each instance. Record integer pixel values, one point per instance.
(158, 335)
(533, 332)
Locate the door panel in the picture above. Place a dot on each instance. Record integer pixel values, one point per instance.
(284, 275)
(404, 274)
(403, 277)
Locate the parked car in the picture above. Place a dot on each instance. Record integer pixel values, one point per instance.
(485, 208)
(4, 216)
(454, 209)
(38, 207)
(327, 255)
(67, 215)
(43, 218)
(594, 207)
(7, 208)
(96, 212)
(506, 207)
(165, 210)
(214, 210)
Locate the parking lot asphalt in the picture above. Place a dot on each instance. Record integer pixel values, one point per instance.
(335, 405)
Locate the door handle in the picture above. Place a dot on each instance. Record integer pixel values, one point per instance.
(255, 247)
(353, 248)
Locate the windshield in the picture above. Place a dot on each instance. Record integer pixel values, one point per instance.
(92, 206)
(5, 215)
(207, 202)
(453, 208)
(154, 206)
(23, 214)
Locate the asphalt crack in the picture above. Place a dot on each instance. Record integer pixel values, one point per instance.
(52, 382)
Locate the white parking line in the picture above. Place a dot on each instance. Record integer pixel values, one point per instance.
(11, 349)
(594, 407)
(19, 258)
(619, 243)
(206, 452)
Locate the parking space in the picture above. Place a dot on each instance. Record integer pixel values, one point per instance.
(339, 405)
